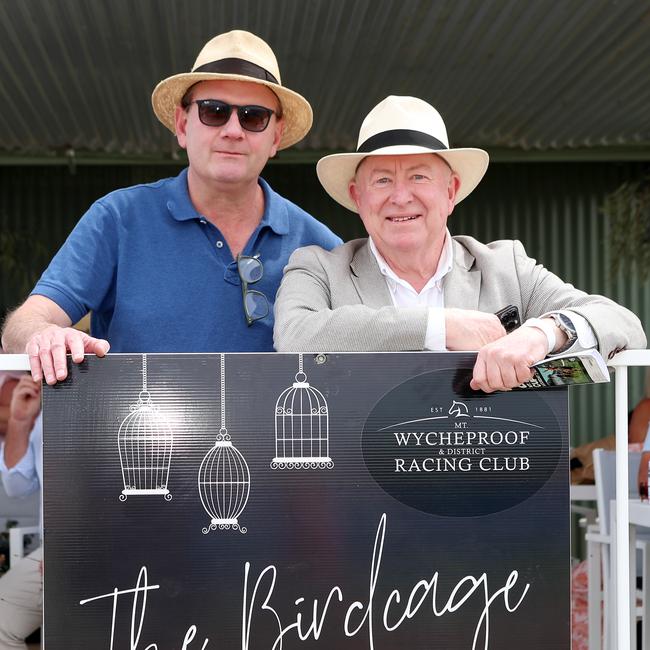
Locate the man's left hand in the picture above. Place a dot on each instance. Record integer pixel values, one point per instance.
(505, 363)
(26, 400)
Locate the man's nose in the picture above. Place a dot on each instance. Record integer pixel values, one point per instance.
(401, 193)
(232, 128)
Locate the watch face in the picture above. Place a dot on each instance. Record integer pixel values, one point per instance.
(565, 324)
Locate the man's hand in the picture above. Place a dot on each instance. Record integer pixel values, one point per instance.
(466, 329)
(23, 410)
(42, 329)
(47, 351)
(25, 401)
(505, 363)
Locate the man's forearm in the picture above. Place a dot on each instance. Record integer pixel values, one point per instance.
(33, 316)
(18, 330)
(4, 420)
(16, 441)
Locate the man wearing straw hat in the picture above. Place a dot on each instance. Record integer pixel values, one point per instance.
(411, 285)
(191, 263)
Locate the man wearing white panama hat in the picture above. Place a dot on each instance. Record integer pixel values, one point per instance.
(192, 263)
(411, 285)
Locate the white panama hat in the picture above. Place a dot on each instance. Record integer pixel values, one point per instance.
(401, 126)
(236, 56)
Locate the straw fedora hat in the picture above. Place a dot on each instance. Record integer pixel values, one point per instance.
(401, 126)
(236, 56)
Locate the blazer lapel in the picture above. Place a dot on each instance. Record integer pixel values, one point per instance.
(462, 285)
(368, 280)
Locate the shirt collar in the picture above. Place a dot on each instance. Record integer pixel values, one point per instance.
(181, 208)
(445, 264)
(275, 216)
(179, 204)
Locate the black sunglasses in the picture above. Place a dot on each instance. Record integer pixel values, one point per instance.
(256, 304)
(214, 112)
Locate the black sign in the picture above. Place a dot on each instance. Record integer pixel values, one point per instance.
(271, 501)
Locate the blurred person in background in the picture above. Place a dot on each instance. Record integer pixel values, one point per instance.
(21, 468)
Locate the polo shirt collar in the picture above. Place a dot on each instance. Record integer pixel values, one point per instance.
(181, 208)
(179, 204)
(275, 216)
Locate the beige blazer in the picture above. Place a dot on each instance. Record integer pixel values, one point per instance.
(339, 301)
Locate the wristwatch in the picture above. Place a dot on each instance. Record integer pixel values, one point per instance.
(565, 324)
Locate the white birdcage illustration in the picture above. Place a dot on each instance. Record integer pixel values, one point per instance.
(301, 427)
(224, 479)
(145, 441)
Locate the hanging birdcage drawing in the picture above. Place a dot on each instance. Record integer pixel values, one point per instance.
(224, 479)
(145, 441)
(301, 427)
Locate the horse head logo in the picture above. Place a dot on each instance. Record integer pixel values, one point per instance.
(458, 410)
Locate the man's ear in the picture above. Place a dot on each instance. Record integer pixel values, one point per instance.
(180, 122)
(354, 192)
(452, 190)
(277, 136)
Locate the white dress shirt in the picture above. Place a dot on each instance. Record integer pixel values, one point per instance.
(432, 296)
(26, 476)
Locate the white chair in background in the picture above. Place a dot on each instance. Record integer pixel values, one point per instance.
(17, 541)
(600, 544)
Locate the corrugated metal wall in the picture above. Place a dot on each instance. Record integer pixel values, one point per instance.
(551, 207)
(542, 75)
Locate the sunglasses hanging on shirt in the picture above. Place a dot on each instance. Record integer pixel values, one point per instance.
(256, 304)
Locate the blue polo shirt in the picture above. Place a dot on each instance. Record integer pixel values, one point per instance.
(159, 277)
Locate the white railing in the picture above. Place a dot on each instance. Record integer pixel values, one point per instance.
(621, 362)
(14, 362)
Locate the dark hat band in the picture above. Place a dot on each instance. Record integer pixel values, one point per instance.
(238, 66)
(400, 137)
